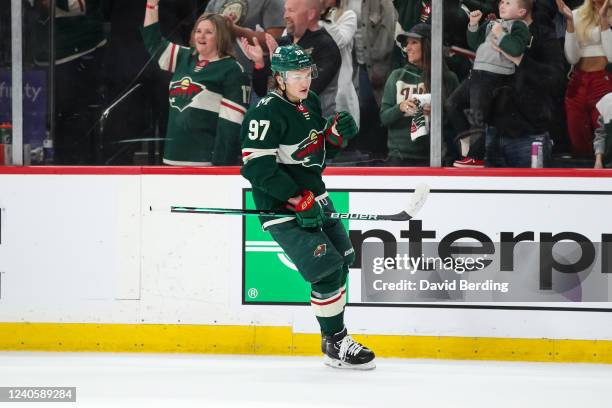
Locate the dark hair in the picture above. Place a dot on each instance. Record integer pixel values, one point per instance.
(426, 62)
(426, 66)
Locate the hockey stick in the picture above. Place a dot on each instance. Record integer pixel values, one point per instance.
(417, 200)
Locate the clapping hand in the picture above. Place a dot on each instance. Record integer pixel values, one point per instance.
(253, 52)
(271, 43)
(564, 10)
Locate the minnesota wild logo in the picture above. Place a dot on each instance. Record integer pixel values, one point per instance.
(418, 127)
(183, 91)
(320, 250)
(311, 151)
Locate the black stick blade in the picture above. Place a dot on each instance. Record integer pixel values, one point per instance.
(403, 216)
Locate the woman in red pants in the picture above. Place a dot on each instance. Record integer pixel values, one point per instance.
(588, 47)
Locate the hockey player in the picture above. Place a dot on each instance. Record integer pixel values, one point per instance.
(285, 142)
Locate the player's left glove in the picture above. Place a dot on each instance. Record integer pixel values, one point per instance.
(340, 128)
(308, 212)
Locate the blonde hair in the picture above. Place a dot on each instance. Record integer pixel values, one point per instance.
(588, 18)
(225, 47)
(340, 9)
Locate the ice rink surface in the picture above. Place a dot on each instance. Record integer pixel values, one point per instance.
(181, 380)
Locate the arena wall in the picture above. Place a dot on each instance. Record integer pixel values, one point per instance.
(91, 259)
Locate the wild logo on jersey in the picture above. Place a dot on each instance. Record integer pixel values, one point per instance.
(182, 93)
(311, 151)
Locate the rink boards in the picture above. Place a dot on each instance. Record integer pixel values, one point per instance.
(91, 259)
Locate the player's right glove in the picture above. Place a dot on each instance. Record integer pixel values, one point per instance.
(308, 212)
(340, 128)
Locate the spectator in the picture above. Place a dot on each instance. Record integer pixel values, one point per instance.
(374, 45)
(588, 47)
(525, 111)
(409, 13)
(602, 142)
(250, 18)
(78, 94)
(373, 48)
(492, 70)
(208, 92)
(405, 105)
(341, 24)
(559, 124)
(303, 29)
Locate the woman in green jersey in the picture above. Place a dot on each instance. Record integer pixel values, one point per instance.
(208, 93)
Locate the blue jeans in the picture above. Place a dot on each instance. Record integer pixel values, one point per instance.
(514, 152)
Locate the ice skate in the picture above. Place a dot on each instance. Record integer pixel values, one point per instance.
(341, 351)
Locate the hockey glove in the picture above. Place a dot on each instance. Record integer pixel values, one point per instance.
(340, 128)
(308, 212)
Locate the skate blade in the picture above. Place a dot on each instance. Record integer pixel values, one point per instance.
(331, 362)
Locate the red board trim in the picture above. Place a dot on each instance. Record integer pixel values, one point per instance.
(331, 171)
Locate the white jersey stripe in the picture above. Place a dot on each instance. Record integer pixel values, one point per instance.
(207, 100)
(229, 112)
(233, 105)
(252, 149)
(167, 61)
(275, 221)
(250, 154)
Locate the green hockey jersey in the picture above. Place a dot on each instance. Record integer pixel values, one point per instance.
(284, 149)
(79, 30)
(208, 101)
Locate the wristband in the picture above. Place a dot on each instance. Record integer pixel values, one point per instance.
(258, 66)
(151, 6)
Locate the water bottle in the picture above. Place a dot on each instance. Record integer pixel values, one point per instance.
(6, 130)
(48, 149)
(537, 155)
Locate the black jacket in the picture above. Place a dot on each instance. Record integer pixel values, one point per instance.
(527, 106)
(325, 54)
